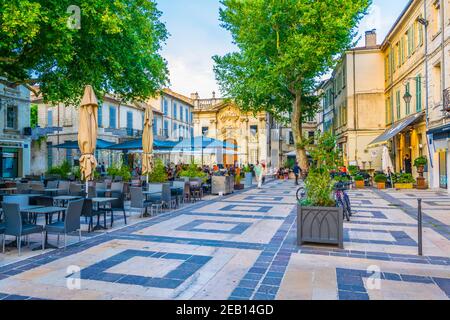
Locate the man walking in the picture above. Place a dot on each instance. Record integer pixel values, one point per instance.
(297, 171)
(259, 174)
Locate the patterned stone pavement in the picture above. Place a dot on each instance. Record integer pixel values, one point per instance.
(243, 246)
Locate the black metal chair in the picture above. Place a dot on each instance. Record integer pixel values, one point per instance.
(89, 213)
(14, 225)
(70, 224)
(119, 204)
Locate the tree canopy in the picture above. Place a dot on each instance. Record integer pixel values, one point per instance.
(284, 45)
(115, 49)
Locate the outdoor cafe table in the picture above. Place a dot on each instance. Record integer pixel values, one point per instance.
(45, 211)
(9, 190)
(52, 191)
(65, 199)
(101, 201)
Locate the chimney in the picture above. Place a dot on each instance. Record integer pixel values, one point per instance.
(371, 38)
(194, 96)
(213, 94)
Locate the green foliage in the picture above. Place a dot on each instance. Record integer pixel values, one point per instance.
(380, 178)
(76, 172)
(319, 184)
(62, 170)
(290, 163)
(192, 171)
(403, 178)
(353, 170)
(237, 179)
(282, 47)
(159, 174)
(247, 169)
(116, 49)
(420, 161)
(120, 171)
(339, 178)
(34, 116)
(358, 177)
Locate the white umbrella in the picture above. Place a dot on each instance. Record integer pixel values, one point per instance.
(386, 161)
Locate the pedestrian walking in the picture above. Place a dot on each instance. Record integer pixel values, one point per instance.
(297, 171)
(259, 172)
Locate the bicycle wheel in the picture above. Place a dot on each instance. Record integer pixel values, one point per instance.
(347, 204)
(341, 204)
(300, 194)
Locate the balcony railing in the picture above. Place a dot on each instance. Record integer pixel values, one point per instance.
(447, 100)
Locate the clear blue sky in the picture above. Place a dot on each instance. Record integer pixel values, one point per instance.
(196, 35)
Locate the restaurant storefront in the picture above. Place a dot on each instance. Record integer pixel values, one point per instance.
(440, 140)
(14, 159)
(405, 138)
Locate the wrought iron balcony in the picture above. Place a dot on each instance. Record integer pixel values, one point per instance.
(447, 100)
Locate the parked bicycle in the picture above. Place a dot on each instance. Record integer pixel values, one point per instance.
(342, 198)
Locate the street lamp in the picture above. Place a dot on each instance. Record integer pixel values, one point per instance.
(407, 97)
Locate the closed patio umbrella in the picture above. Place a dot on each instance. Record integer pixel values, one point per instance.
(87, 134)
(147, 143)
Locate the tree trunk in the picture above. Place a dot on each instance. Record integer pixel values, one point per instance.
(297, 131)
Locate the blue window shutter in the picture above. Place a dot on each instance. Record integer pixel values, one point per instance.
(100, 116)
(112, 117)
(49, 118)
(181, 113)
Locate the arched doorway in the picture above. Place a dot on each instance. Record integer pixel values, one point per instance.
(230, 156)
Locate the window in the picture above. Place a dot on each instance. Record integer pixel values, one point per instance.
(100, 116)
(11, 117)
(181, 113)
(186, 115)
(174, 115)
(165, 107)
(166, 128)
(205, 131)
(402, 50)
(436, 12)
(399, 105)
(437, 83)
(129, 123)
(49, 118)
(253, 130)
(410, 42)
(175, 130)
(112, 117)
(388, 110)
(344, 114)
(419, 93)
(69, 156)
(420, 27)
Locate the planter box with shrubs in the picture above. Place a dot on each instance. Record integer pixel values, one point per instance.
(380, 180)
(319, 220)
(404, 181)
(359, 181)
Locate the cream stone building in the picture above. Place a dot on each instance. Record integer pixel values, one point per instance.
(223, 120)
(354, 101)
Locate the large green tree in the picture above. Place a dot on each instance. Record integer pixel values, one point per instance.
(114, 45)
(284, 45)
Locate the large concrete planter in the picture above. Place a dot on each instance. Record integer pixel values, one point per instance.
(324, 225)
(248, 179)
(222, 185)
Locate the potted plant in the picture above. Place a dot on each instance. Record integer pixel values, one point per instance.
(359, 181)
(380, 180)
(237, 183)
(420, 164)
(248, 176)
(159, 174)
(319, 220)
(404, 181)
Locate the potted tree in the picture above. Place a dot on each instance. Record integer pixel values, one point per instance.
(420, 164)
(248, 176)
(380, 180)
(319, 220)
(359, 181)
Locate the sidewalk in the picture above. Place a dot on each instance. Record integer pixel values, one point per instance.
(243, 246)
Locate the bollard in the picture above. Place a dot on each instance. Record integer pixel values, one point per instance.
(419, 220)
